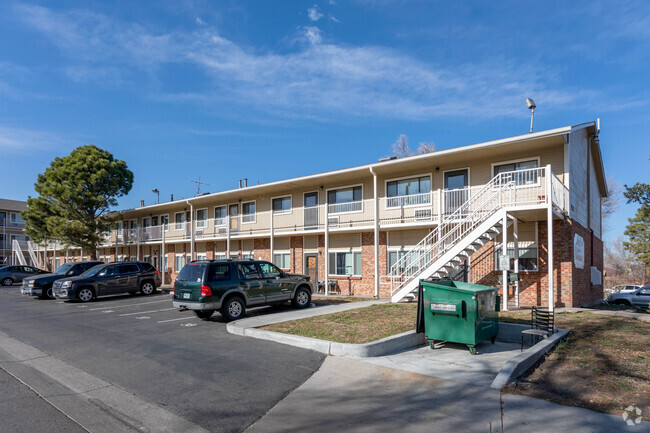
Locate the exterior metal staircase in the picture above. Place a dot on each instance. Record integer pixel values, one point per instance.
(466, 230)
(32, 253)
(18, 252)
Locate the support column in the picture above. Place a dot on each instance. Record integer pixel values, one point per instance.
(327, 248)
(504, 252)
(376, 237)
(163, 257)
(549, 218)
(515, 228)
(271, 238)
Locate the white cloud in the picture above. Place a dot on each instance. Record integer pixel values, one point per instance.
(320, 80)
(22, 140)
(334, 19)
(200, 22)
(314, 14)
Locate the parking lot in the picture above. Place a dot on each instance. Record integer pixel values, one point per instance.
(193, 368)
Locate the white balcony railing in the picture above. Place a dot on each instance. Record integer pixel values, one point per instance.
(528, 188)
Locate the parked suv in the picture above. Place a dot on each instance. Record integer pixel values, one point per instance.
(639, 298)
(41, 286)
(110, 279)
(232, 285)
(15, 273)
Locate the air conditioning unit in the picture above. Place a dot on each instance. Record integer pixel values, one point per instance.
(223, 232)
(199, 233)
(333, 221)
(423, 214)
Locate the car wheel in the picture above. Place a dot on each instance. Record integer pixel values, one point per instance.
(48, 293)
(204, 314)
(233, 309)
(302, 298)
(147, 288)
(85, 295)
(7, 282)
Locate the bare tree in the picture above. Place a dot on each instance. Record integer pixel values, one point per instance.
(624, 267)
(401, 147)
(610, 203)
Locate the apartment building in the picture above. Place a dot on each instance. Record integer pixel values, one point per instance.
(12, 232)
(377, 229)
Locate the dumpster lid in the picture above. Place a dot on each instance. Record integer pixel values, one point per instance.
(456, 286)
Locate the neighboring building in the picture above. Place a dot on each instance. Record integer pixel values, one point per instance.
(379, 228)
(12, 228)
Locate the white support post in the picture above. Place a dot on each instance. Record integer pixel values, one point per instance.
(54, 258)
(192, 231)
(271, 236)
(549, 221)
(327, 248)
(228, 235)
(162, 258)
(376, 236)
(504, 252)
(439, 206)
(515, 229)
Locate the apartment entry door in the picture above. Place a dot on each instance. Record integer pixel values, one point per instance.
(456, 192)
(311, 268)
(233, 214)
(311, 210)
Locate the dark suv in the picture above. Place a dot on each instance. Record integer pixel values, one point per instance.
(41, 286)
(232, 285)
(110, 279)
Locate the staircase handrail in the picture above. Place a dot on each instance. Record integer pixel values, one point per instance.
(442, 235)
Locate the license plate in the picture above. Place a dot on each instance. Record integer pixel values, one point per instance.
(186, 296)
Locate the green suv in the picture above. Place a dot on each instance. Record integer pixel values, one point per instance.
(232, 285)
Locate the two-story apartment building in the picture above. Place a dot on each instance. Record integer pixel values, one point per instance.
(377, 229)
(12, 228)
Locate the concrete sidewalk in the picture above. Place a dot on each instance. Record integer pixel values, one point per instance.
(349, 395)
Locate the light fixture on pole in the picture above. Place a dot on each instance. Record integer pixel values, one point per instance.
(155, 191)
(531, 106)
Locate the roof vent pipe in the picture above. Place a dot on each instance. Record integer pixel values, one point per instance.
(245, 182)
(240, 183)
(141, 203)
(171, 197)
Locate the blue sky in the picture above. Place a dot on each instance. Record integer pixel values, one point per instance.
(269, 90)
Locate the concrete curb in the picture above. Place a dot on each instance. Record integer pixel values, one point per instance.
(518, 365)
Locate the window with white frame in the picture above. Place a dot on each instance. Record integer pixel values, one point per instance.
(201, 256)
(164, 221)
(119, 228)
(220, 256)
(282, 260)
(528, 258)
(133, 258)
(345, 263)
(248, 212)
(179, 262)
(406, 192)
(17, 218)
(281, 205)
(146, 222)
(179, 221)
(220, 216)
(166, 264)
(202, 218)
(520, 172)
(394, 257)
(345, 199)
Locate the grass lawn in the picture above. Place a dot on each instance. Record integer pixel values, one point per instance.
(358, 326)
(603, 365)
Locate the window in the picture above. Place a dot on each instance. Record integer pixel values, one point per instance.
(345, 200)
(248, 271)
(343, 263)
(527, 258)
(202, 218)
(219, 272)
(179, 221)
(180, 262)
(525, 177)
(394, 257)
(164, 220)
(119, 228)
(133, 258)
(220, 256)
(220, 216)
(146, 222)
(2, 241)
(166, 264)
(128, 269)
(408, 191)
(192, 272)
(283, 260)
(248, 212)
(201, 256)
(269, 270)
(16, 218)
(281, 205)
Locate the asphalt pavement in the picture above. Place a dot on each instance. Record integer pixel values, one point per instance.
(194, 369)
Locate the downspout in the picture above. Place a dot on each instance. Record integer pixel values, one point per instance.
(376, 237)
(191, 229)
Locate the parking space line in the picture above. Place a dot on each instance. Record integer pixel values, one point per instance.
(144, 312)
(174, 320)
(131, 305)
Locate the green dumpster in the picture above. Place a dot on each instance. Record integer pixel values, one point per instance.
(458, 312)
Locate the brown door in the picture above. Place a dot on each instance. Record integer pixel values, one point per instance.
(233, 213)
(311, 268)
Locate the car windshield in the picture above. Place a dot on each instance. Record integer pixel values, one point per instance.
(63, 269)
(92, 271)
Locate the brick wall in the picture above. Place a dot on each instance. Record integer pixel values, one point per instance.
(262, 249)
(572, 286)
